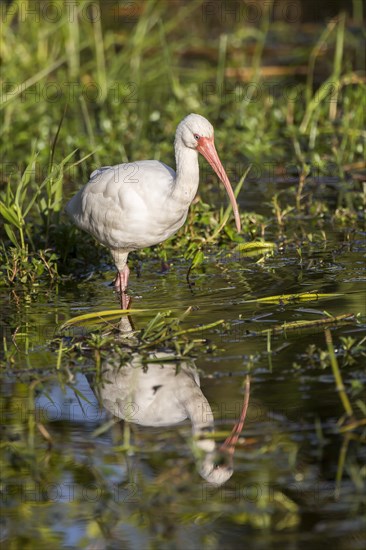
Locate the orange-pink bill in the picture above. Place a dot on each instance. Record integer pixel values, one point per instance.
(207, 148)
(229, 444)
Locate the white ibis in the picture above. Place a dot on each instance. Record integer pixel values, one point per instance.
(139, 204)
(155, 393)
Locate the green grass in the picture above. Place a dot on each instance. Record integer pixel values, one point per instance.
(79, 94)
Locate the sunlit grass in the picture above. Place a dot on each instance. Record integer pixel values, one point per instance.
(113, 112)
(285, 299)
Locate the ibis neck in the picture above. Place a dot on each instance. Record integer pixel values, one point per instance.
(187, 170)
(198, 411)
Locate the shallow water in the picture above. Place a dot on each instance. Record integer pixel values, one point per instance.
(136, 486)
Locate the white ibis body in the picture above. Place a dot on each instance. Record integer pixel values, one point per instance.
(139, 204)
(159, 394)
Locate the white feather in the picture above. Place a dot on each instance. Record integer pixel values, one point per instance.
(129, 206)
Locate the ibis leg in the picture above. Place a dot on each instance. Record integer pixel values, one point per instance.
(120, 284)
(121, 280)
(123, 272)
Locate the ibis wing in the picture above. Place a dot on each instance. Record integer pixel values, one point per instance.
(120, 205)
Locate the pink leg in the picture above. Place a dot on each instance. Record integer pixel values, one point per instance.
(121, 280)
(120, 284)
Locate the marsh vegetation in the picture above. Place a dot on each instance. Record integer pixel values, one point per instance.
(94, 84)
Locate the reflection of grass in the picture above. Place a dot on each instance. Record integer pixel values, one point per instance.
(350, 423)
(162, 331)
(337, 375)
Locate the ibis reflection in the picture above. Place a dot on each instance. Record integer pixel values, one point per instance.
(157, 391)
(152, 389)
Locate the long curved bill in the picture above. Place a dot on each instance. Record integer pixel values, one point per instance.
(207, 148)
(229, 443)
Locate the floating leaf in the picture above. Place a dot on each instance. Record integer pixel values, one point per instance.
(98, 316)
(255, 245)
(254, 248)
(315, 323)
(283, 299)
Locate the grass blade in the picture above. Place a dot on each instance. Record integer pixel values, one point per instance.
(315, 323)
(284, 299)
(98, 316)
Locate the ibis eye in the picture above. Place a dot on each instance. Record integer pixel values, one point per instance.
(196, 136)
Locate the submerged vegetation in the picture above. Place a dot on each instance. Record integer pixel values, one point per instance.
(284, 301)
